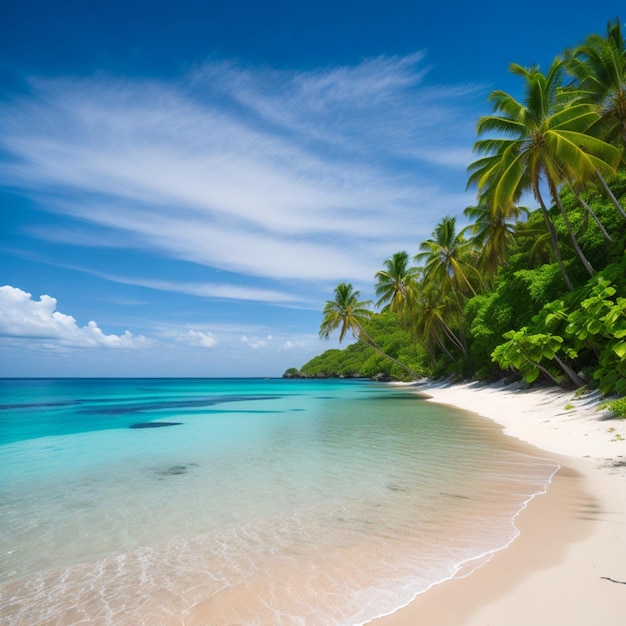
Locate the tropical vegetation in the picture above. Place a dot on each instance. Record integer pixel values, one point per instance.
(538, 293)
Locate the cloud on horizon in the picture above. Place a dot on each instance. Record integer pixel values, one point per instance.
(38, 325)
(23, 317)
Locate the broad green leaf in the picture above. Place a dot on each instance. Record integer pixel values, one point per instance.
(620, 349)
(594, 327)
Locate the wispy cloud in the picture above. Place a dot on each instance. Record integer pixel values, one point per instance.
(209, 290)
(23, 317)
(288, 176)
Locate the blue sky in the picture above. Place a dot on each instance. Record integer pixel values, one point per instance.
(183, 184)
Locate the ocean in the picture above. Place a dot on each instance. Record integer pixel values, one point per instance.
(243, 501)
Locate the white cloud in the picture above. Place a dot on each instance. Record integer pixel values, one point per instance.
(198, 339)
(256, 342)
(226, 339)
(280, 175)
(292, 344)
(23, 317)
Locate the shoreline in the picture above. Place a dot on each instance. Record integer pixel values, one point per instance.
(567, 564)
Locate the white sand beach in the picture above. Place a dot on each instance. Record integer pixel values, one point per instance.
(568, 565)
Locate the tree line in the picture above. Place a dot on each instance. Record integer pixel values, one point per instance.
(539, 293)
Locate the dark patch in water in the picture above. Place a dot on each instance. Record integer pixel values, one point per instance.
(176, 470)
(173, 404)
(453, 495)
(154, 424)
(34, 405)
(395, 396)
(396, 488)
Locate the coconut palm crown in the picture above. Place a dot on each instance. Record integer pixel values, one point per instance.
(346, 312)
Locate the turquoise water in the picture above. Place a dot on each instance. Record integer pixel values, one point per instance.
(255, 501)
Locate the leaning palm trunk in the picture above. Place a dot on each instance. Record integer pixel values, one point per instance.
(363, 335)
(467, 282)
(591, 212)
(453, 336)
(441, 343)
(610, 194)
(553, 236)
(570, 231)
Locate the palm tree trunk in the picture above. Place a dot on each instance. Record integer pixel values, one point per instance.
(610, 194)
(452, 335)
(570, 231)
(467, 282)
(591, 212)
(442, 344)
(553, 236)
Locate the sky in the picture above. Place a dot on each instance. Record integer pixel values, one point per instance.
(184, 183)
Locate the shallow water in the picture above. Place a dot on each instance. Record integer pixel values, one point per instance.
(265, 501)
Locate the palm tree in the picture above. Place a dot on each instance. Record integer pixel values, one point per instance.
(349, 313)
(545, 139)
(396, 286)
(492, 233)
(541, 250)
(449, 278)
(437, 312)
(449, 260)
(599, 69)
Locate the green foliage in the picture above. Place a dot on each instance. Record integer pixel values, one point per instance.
(618, 407)
(335, 363)
(361, 360)
(599, 322)
(291, 372)
(542, 284)
(548, 332)
(488, 316)
(592, 320)
(526, 352)
(517, 295)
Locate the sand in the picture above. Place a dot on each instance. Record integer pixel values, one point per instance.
(568, 565)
